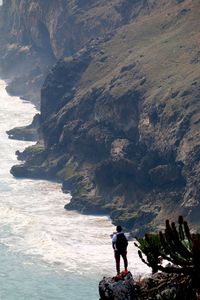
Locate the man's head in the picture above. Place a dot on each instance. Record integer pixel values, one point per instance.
(119, 228)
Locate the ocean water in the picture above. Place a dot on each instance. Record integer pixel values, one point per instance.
(47, 252)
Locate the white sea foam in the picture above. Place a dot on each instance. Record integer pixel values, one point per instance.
(33, 220)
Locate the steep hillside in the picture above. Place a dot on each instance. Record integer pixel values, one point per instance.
(38, 32)
(119, 109)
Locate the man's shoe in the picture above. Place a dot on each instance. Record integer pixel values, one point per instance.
(118, 276)
(125, 272)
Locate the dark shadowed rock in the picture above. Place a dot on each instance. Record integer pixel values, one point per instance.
(163, 174)
(113, 289)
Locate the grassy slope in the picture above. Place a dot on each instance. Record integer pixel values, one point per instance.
(163, 46)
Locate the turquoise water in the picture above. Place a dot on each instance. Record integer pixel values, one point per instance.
(47, 252)
(22, 278)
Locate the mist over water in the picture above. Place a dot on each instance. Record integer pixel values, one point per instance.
(47, 252)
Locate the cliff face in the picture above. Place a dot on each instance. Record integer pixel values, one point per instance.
(119, 109)
(36, 33)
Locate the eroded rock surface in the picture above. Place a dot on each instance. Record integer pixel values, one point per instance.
(112, 289)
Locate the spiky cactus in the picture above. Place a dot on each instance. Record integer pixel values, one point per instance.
(178, 246)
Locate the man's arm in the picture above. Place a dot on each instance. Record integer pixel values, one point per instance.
(113, 245)
(114, 239)
(127, 235)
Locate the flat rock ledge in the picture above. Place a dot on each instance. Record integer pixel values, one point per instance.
(111, 288)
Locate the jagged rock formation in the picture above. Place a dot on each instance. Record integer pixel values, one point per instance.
(159, 286)
(123, 289)
(119, 108)
(26, 133)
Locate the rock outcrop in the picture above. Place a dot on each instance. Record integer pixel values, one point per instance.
(119, 122)
(123, 289)
(26, 133)
(158, 286)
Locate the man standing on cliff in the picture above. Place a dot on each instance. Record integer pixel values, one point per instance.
(120, 243)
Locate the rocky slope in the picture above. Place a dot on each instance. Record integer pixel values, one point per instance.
(158, 286)
(119, 108)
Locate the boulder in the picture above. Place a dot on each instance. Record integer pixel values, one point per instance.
(114, 289)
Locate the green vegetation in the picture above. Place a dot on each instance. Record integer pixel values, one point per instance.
(124, 217)
(176, 245)
(68, 171)
(33, 150)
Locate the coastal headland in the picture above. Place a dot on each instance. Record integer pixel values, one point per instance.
(117, 84)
